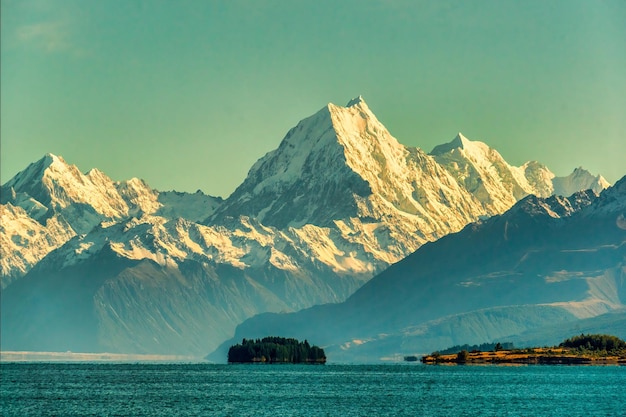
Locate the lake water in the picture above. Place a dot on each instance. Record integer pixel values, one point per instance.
(118, 389)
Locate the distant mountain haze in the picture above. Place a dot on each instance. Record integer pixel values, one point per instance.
(91, 264)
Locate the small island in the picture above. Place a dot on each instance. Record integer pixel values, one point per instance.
(275, 350)
(584, 350)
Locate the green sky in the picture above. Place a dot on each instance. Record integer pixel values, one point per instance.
(189, 94)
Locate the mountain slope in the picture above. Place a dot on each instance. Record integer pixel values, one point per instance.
(154, 285)
(543, 262)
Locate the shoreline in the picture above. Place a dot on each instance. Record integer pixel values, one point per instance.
(33, 356)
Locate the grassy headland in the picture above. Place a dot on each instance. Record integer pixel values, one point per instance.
(583, 350)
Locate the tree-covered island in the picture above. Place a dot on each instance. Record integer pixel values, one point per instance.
(583, 349)
(275, 350)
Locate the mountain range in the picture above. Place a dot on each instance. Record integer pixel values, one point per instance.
(91, 264)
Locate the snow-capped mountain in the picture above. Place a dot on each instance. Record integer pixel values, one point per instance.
(488, 177)
(338, 201)
(342, 169)
(544, 263)
(577, 180)
(51, 201)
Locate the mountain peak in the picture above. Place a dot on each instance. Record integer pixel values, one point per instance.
(53, 158)
(461, 138)
(52, 163)
(356, 101)
(303, 180)
(599, 179)
(579, 179)
(35, 172)
(459, 142)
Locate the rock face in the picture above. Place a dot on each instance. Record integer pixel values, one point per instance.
(543, 264)
(93, 264)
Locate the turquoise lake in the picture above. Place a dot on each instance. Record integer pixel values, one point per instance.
(122, 389)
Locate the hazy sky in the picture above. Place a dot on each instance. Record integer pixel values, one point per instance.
(189, 94)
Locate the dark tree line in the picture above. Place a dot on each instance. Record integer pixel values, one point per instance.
(484, 347)
(275, 350)
(596, 343)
